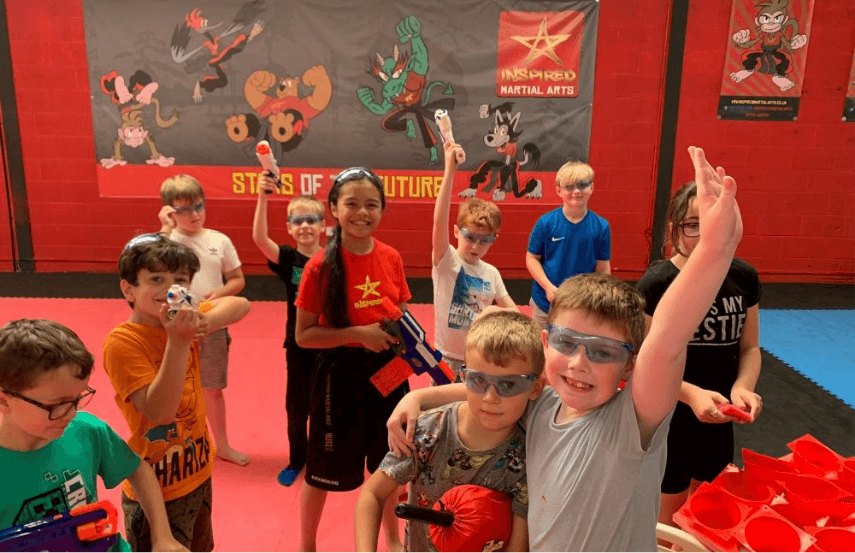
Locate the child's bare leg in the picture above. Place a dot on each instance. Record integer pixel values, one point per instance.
(215, 404)
(391, 524)
(312, 502)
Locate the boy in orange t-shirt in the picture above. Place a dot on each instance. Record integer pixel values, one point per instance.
(153, 364)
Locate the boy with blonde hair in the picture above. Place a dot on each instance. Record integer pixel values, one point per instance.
(463, 284)
(153, 364)
(597, 455)
(479, 441)
(50, 451)
(182, 219)
(305, 225)
(567, 241)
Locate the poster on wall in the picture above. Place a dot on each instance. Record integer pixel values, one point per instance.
(765, 60)
(849, 106)
(192, 86)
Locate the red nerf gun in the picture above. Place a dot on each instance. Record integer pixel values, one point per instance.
(92, 527)
(413, 348)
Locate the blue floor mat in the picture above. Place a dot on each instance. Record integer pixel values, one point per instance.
(819, 344)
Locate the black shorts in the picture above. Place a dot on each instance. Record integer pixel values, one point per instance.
(347, 418)
(696, 450)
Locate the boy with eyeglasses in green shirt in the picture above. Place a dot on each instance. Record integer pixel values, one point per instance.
(50, 452)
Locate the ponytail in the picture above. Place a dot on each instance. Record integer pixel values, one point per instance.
(334, 278)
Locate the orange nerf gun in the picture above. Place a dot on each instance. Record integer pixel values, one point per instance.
(412, 347)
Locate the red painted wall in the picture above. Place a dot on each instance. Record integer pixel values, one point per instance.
(797, 180)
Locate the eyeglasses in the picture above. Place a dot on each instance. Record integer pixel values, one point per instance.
(356, 173)
(143, 239)
(506, 386)
(59, 410)
(298, 220)
(598, 349)
(475, 237)
(690, 230)
(581, 186)
(188, 209)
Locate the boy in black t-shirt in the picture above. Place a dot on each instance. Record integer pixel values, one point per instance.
(305, 224)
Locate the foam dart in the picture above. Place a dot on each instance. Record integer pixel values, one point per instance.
(443, 121)
(732, 410)
(268, 161)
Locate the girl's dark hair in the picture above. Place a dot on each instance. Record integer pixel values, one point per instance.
(677, 210)
(333, 275)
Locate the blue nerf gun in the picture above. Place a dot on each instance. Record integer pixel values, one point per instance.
(412, 347)
(92, 527)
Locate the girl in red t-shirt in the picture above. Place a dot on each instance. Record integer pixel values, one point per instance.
(339, 311)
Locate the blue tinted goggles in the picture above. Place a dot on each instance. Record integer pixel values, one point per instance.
(475, 237)
(506, 386)
(298, 220)
(598, 349)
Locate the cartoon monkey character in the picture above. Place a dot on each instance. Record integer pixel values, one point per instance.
(132, 97)
(772, 21)
(282, 119)
(503, 174)
(218, 53)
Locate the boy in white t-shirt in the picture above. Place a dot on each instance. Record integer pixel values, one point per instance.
(463, 284)
(182, 219)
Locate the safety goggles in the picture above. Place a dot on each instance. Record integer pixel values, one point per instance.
(143, 239)
(357, 173)
(299, 220)
(506, 386)
(479, 238)
(188, 209)
(598, 349)
(581, 186)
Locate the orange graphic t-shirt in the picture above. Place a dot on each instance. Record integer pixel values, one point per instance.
(180, 452)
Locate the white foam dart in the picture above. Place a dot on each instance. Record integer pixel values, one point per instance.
(443, 121)
(265, 156)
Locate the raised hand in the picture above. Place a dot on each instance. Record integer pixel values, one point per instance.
(166, 215)
(721, 221)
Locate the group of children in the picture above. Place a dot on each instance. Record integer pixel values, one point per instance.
(532, 416)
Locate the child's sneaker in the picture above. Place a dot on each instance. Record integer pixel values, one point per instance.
(288, 475)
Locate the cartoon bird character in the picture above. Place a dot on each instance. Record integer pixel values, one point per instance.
(219, 48)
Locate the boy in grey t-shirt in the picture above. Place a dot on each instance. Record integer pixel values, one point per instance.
(478, 442)
(597, 455)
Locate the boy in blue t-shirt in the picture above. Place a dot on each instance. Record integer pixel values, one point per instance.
(50, 452)
(567, 241)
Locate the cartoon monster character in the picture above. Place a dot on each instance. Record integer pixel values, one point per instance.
(772, 21)
(282, 119)
(132, 97)
(403, 79)
(504, 174)
(217, 53)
